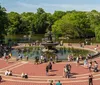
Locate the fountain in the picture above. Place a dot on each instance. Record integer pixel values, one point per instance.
(48, 49)
(49, 45)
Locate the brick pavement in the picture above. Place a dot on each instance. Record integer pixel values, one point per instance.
(37, 73)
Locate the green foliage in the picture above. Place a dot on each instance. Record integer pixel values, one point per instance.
(72, 24)
(14, 23)
(3, 20)
(3, 23)
(27, 23)
(97, 33)
(58, 14)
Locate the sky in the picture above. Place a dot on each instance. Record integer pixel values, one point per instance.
(50, 5)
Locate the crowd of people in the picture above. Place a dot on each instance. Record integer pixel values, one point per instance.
(93, 66)
(44, 59)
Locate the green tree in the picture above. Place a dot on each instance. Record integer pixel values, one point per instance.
(27, 23)
(40, 22)
(14, 22)
(58, 15)
(3, 22)
(97, 33)
(40, 11)
(75, 24)
(94, 18)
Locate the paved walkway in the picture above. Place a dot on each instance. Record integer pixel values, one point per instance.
(37, 76)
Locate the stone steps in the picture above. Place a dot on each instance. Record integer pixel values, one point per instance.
(46, 79)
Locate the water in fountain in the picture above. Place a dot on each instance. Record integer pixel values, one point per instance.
(38, 51)
(48, 46)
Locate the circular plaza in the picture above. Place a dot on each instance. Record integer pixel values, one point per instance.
(37, 74)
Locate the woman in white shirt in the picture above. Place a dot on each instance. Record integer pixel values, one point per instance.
(6, 72)
(22, 75)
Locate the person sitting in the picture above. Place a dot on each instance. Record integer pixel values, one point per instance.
(23, 75)
(51, 82)
(10, 73)
(6, 72)
(26, 76)
(0, 78)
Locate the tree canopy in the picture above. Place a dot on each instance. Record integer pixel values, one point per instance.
(72, 24)
(3, 22)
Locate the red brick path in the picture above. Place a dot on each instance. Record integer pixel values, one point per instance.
(37, 73)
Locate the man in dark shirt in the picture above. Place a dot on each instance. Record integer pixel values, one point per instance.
(90, 80)
(47, 70)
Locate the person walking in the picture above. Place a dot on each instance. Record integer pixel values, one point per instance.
(58, 83)
(47, 70)
(69, 68)
(66, 73)
(90, 79)
(95, 67)
(90, 66)
(50, 66)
